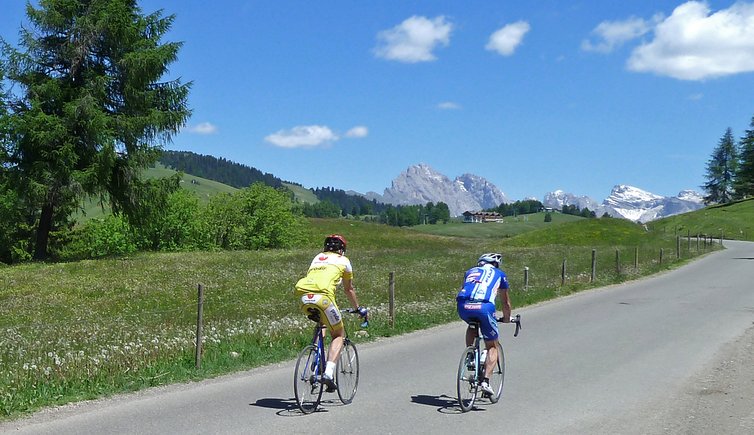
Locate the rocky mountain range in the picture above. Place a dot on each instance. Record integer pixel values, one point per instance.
(421, 184)
(631, 203)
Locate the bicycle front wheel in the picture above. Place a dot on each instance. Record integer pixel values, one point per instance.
(466, 380)
(498, 375)
(348, 372)
(306, 379)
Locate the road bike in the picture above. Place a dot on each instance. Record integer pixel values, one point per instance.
(471, 370)
(310, 368)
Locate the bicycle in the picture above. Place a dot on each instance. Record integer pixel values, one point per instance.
(471, 370)
(310, 367)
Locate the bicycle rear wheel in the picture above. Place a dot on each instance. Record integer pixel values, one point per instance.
(466, 380)
(348, 372)
(498, 375)
(306, 379)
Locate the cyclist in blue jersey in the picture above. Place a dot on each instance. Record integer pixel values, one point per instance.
(476, 302)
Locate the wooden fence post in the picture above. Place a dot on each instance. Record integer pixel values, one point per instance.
(617, 261)
(391, 299)
(563, 273)
(677, 247)
(199, 332)
(636, 258)
(594, 265)
(688, 240)
(661, 252)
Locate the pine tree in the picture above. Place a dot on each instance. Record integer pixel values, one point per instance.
(94, 108)
(744, 183)
(721, 170)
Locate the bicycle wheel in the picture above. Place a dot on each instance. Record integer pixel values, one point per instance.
(467, 384)
(306, 384)
(348, 372)
(498, 375)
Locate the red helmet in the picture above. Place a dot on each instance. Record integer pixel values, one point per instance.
(335, 243)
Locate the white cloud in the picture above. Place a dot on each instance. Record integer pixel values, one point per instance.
(693, 44)
(613, 34)
(308, 136)
(414, 39)
(448, 105)
(506, 39)
(358, 131)
(203, 128)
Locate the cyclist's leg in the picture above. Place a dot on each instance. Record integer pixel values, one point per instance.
(488, 326)
(467, 311)
(334, 322)
(329, 316)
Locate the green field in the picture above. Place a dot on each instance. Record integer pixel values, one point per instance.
(88, 329)
(511, 226)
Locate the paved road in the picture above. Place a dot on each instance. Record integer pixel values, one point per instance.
(612, 360)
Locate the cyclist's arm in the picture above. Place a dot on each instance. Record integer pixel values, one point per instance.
(505, 301)
(350, 293)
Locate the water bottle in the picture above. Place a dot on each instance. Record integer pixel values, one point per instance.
(483, 357)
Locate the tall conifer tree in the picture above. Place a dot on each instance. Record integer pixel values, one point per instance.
(744, 183)
(721, 170)
(95, 106)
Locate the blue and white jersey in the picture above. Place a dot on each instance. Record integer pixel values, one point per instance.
(481, 283)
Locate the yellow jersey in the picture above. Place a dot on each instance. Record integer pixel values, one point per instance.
(325, 273)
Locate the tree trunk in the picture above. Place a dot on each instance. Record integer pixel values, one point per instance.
(43, 232)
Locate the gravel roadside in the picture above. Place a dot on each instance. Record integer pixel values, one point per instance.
(719, 399)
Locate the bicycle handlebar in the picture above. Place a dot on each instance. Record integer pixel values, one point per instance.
(365, 323)
(517, 320)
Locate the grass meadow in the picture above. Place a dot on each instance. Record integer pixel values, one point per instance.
(88, 329)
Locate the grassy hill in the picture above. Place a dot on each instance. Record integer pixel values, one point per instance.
(203, 188)
(733, 221)
(586, 232)
(301, 193)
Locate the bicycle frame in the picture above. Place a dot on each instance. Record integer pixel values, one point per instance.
(311, 364)
(471, 369)
(318, 341)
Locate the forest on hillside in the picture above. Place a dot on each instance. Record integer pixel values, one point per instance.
(217, 169)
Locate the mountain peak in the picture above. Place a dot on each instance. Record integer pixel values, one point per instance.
(629, 202)
(420, 184)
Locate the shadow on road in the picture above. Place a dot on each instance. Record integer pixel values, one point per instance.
(445, 404)
(288, 407)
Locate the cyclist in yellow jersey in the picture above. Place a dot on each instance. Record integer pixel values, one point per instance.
(316, 291)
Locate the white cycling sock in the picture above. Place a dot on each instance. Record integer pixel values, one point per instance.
(329, 369)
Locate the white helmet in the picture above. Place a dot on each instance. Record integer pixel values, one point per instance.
(492, 258)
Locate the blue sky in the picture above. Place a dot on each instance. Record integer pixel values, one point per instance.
(532, 95)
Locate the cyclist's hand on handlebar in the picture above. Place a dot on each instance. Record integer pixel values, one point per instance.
(362, 311)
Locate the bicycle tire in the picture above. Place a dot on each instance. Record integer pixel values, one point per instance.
(347, 372)
(306, 385)
(467, 384)
(497, 380)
